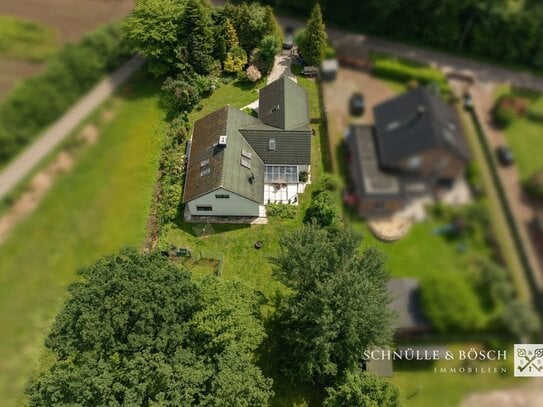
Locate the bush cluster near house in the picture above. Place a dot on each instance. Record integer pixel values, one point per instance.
(136, 331)
(466, 26)
(325, 207)
(40, 100)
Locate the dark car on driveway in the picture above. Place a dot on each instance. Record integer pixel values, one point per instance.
(288, 41)
(467, 101)
(505, 156)
(356, 104)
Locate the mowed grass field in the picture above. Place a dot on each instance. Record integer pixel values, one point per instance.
(27, 40)
(101, 205)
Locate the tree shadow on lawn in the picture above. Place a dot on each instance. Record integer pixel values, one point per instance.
(141, 85)
(192, 228)
(248, 85)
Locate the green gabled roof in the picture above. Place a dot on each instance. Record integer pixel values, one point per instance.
(283, 104)
(223, 163)
(291, 146)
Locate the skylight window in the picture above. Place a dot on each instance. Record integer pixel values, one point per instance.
(245, 163)
(271, 144)
(246, 154)
(275, 108)
(203, 163)
(205, 172)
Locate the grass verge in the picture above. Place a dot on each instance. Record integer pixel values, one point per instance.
(97, 208)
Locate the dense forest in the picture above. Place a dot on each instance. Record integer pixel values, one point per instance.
(509, 31)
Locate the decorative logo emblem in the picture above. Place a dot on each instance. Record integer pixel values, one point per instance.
(529, 360)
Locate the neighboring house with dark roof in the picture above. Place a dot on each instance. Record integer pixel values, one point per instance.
(237, 163)
(406, 305)
(415, 145)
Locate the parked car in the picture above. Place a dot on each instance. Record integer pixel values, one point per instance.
(505, 156)
(467, 101)
(356, 104)
(310, 71)
(288, 41)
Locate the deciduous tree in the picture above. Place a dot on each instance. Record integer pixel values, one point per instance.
(362, 389)
(136, 330)
(338, 305)
(155, 29)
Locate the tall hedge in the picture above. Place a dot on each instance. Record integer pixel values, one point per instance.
(37, 102)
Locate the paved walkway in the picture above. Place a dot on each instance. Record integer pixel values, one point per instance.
(281, 67)
(22, 165)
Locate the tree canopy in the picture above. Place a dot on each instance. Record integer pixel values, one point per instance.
(313, 44)
(362, 389)
(198, 40)
(154, 29)
(136, 330)
(338, 305)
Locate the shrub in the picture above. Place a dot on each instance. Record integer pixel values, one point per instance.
(235, 60)
(327, 182)
(303, 177)
(362, 389)
(324, 210)
(281, 211)
(171, 170)
(37, 102)
(450, 304)
(503, 116)
(534, 184)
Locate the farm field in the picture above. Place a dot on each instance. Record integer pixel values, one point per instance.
(68, 21)
(98, 207)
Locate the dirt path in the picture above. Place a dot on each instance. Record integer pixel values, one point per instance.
(25, 162)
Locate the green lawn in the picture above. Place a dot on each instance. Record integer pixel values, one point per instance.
(97, 208)
(422, 253)
(23, 39)
(524, 136)
(424, 387)
(237, 94)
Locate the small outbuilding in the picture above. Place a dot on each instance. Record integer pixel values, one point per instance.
(405, 303)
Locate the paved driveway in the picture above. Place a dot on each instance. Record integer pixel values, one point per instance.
(336, 99)
(522, 207)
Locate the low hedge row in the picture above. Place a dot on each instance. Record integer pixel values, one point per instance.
(396, 70)
(37, 102)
